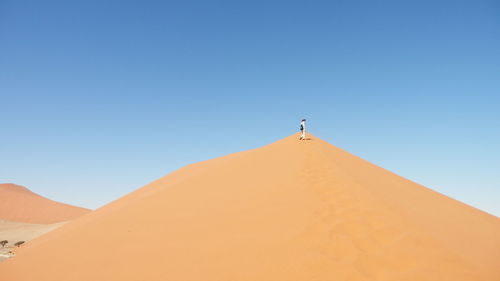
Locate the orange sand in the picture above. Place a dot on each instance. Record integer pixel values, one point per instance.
(17, 203)
(292, 210)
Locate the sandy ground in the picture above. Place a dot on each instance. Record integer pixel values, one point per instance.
(292, 210)
(17, 203)
(18, 231)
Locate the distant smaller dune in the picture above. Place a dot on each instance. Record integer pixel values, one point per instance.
(19, 204)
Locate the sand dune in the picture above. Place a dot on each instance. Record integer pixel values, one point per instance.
(19, 204)
(292, 210)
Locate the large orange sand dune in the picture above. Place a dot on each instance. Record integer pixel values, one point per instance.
(292, 210)
(17, 203)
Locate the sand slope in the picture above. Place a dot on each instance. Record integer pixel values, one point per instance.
(288, 211)
(19, 204)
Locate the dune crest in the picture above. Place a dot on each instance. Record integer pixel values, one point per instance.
(291, 210)
(19, 204)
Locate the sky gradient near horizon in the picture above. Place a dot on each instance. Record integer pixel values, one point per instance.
(99, 98)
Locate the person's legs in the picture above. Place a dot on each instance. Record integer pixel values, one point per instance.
(302, 135)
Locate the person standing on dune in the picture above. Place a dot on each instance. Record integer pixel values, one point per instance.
(302, 129)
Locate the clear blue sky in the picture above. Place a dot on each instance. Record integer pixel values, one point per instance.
(99, 98)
